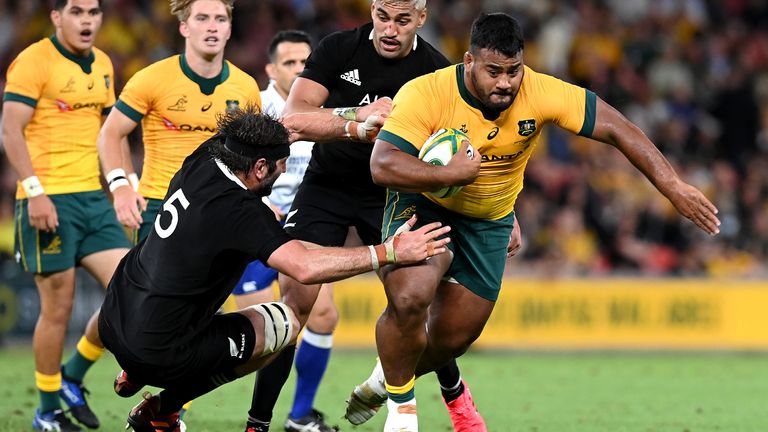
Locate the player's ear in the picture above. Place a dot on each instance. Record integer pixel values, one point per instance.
(422, 17)
(270, 70)
(184, 29)
(56, 18)
(468, 59)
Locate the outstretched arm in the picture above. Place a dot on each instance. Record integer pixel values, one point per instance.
(611, 127)
(306, 120)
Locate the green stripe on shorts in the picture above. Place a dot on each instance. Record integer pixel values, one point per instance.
(479, 245)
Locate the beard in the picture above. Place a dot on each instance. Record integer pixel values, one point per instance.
(485, 97)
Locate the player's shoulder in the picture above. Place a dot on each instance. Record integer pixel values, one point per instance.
(101, 58)
(349, 38)
(167, 65)
(538, 82)
(427, 50)
(37, 51)
(240, 75)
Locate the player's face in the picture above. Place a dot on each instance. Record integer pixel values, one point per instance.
(394, 27)
(266, 185)
(77, 24)
(207, 29)
(290, 58)
(495, 77)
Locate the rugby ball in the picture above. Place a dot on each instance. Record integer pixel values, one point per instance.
(438, 149)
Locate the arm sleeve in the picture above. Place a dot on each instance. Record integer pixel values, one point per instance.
(323, 65)
(410, 123)
(136, 98)
(569, 106)
(26, 78)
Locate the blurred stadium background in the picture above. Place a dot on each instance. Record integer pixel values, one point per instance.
(607, 263)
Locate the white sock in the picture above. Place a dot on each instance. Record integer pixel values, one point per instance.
(401, 416)
(376, 380)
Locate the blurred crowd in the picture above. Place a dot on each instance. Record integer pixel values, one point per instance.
(692, 74)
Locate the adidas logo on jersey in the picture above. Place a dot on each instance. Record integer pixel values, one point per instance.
(352, 76)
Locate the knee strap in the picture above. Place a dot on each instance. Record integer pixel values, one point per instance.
(278, 325)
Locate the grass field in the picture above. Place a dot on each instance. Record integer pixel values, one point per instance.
(589, 392)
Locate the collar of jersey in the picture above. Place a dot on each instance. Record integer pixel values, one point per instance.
(230, 175)
(84, 62)
(415, 39)
(207, 85)
(470, 99)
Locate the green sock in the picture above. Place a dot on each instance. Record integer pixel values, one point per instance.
(49, 401)
(76, 367)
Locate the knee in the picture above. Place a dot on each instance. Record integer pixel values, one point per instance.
(281, 327)
(323, 318)
(408, 302)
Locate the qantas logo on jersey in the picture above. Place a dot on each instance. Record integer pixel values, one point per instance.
(65, 107)
(186, 127)
(513, 156)
(352, 76)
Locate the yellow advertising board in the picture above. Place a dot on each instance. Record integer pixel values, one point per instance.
(688, 314)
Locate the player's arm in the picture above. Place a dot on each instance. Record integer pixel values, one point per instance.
(396, 169)
(306, 120)
(611, 127)
(112, 145)
(310, 264)
(16, 116)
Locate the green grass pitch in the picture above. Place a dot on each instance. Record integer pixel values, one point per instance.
(526, 392)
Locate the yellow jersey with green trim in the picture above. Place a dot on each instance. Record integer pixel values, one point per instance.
(70, 94)
(177, 109)
(504, 139)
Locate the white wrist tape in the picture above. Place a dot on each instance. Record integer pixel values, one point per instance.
(32, 186)
(115, 174)
(374, 258)
(118, 183)
(278, 325)
(134, 180)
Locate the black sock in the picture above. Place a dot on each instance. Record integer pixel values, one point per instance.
(173, 398)
(269, 382)
(448, 376)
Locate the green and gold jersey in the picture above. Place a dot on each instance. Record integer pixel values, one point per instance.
(506, 140)
(69, 94)
(177, 109)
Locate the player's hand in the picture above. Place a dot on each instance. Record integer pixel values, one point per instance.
(462, 168)
(128, 206)
(42, 213)
(691, 203)
(381, 106)
(411, 247)
(515, 240)
(368, 130)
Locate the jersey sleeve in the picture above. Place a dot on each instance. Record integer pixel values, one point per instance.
(26, 79)
(410, 123)
(258, 232)
(569, 106)
(323, 64)
(136, 98)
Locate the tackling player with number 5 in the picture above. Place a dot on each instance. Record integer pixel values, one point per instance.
(159, 316)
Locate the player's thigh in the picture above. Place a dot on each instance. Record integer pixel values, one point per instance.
(57, 293)
(457, 317)
(102, 265)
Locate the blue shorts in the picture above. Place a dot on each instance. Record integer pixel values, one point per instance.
(256, 277)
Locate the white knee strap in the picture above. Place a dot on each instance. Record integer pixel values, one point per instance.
(278, 325)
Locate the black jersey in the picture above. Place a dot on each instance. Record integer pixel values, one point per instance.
(347, 64)
(170, 285)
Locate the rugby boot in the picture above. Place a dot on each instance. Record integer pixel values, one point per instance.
(367, 398)
(124, 387)
(73, 393)
(53, 421)
(144, 417)
(312, 422)
(464, 414)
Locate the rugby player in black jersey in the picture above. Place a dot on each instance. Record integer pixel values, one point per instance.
(159, 315)
(340, 101)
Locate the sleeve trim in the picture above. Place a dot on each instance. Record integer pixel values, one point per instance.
(128, 111)
(590, 111)
(399, 142)
(15, 97)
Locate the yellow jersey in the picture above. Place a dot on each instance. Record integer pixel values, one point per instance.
(177, 109)
(70, 94)
(504, 139)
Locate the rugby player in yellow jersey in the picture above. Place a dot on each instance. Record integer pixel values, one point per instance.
(176, 100)
(57, 91)
(502, 106)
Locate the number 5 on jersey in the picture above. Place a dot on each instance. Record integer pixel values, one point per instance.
(171, 208)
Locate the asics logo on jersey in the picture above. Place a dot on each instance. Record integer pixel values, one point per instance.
(290, 214)
(493, 133)
(352, 76)
(206, 107)
(90, 84)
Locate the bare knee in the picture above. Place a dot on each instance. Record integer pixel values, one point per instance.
(57, 294)
(407, 303)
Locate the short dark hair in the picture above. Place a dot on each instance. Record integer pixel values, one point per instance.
(496, 32)
(61, 4)
(295, 36)
(248, 126)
